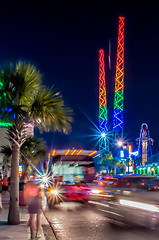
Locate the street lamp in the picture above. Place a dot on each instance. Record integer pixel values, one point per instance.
(120, 143)
(103, 135)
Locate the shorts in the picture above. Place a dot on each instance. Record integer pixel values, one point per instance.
(35, 205)
(4, 188)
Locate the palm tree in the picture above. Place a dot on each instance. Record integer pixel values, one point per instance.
(106, 160)
(6, 165)
(109, 162)
(31, 152)
(28, 100)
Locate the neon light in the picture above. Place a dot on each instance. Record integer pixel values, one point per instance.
(4, 124)
(73, 152)
(130, 148)
(79, 152)
(103, 119)
(96, 155)
(119, 84)
(49, 155)
(92, 153)
(67, 152)
(53, 152)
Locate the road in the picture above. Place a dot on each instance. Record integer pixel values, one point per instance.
(72, 221)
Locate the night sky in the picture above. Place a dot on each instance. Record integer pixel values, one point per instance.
(63, 38)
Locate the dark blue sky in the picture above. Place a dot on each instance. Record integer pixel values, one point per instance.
(62, 39)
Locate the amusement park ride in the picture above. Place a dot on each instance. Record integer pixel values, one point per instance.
(144, 142)
(144, 147)
(118, 96)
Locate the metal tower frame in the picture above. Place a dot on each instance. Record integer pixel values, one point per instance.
(119, 84)
(103, 118)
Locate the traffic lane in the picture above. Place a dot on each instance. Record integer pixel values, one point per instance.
(72, 221)
(152, 196)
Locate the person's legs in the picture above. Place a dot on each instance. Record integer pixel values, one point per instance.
(38, 224)
(32, 228)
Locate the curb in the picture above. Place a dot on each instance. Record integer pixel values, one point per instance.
(54, 235)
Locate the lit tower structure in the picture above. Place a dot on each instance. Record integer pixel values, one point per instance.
(144, 147)
(103, 120)
(119, 84)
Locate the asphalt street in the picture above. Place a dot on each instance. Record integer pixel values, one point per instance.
(73, 221)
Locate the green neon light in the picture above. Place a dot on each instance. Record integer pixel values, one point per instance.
(118, 103)
(103, 113)
(4, 124)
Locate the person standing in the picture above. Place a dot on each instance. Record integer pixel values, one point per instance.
(33, 196)
(0, 191)
(5, 184)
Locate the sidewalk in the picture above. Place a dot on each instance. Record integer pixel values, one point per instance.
(16, 232)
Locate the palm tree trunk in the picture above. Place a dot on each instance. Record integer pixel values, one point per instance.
(13, 216)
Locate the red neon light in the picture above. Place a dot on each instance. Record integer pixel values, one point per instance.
(79, 152)
(53, 152)
(73, 152)
(67, 152)
(92, 153)
(130, 148)
(102, 84)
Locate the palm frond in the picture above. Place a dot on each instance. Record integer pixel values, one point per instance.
(6, 151)
(48, 112)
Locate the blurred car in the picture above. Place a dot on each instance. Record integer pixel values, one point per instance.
(67, 192)
(129, 181)
(126, 201)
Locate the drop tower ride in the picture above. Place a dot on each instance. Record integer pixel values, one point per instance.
(103, 118)
(119, 85)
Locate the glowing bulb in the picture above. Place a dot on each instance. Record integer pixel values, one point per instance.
(54, 192)
(120, 143)
(45, 179)
(102, 134)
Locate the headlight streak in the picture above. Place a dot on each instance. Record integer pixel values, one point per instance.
(96, 191)
(55, 194)
(139, 205)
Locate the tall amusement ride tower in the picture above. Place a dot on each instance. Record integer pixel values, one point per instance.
(119, 84)
(103, 119)
(144, 148)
